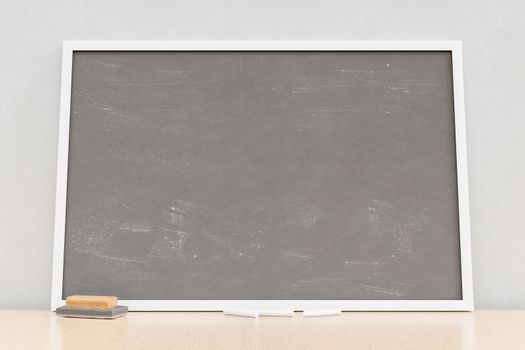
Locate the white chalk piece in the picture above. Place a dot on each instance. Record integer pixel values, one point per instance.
(276, 313)
(325, 312)
(241, 312)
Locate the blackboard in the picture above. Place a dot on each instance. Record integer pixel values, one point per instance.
(262, 175)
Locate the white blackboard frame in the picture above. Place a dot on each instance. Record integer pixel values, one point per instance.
(464, 304)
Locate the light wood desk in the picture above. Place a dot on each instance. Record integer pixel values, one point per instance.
(494, 330)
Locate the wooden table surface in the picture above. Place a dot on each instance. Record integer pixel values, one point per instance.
(494, 330)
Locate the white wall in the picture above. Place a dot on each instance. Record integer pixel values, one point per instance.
(493, 35)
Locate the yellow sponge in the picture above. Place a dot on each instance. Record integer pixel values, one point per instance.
(91, 301)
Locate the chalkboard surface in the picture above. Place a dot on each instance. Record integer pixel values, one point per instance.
(262, 175)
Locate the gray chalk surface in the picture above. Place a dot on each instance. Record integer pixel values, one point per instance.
(262, 175)
(116, 312)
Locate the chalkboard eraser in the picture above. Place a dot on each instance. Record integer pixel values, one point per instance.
(91, 301)
(316, 313)
(115, 312)
(241, 312)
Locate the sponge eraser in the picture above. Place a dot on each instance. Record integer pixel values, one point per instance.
(116, 312)
(92, 301)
